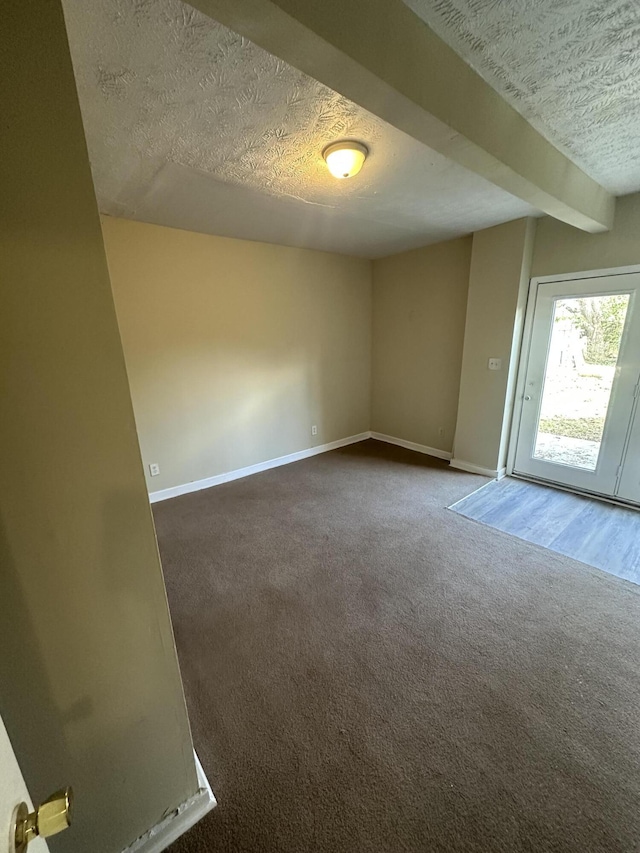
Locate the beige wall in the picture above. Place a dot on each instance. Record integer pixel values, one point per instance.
(90, 690)
(256, 343)
(503, 260)
(498, 283)
(559, 248)
(420, 300)
(235, 349)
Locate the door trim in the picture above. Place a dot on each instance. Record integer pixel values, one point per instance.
(525, 347)
(179, 820)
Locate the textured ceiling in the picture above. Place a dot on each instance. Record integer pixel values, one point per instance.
(570, 67)
(190, 125)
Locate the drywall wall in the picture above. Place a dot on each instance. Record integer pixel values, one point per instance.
(90, 690)
(559, 248)
(498, 284)
(502, 262)
(419, 305)
(235, 349)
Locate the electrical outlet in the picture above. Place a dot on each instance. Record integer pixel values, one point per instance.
(495, 363)
(154, 469)
(314, 430)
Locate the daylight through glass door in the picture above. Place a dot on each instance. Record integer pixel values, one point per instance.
(581, 384)
(581, 362)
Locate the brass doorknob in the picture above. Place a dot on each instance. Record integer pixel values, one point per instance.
(49, 818)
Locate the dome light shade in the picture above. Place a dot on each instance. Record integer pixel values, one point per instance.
(345, 159)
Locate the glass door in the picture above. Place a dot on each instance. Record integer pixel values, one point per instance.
(581, 384)
(629, 483)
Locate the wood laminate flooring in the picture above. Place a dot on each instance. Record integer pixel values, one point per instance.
(595, 532)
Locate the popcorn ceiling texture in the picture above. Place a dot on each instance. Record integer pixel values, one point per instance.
(171, 99)
(570, 67)
(188, 90)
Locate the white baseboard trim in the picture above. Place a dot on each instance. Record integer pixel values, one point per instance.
(175, 824)
(208, 482)
(411, 445)
(470, 468)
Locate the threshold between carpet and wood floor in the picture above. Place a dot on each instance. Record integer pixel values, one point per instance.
(601, 534)
(367, 671)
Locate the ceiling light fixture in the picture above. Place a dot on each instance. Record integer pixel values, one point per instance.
(345, 159)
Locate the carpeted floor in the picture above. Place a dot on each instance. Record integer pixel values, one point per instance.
(367, 671)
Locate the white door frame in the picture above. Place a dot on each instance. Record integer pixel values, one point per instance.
(13, 791)
(525, 347)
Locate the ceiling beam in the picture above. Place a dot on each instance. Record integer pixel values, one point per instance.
(381, 56)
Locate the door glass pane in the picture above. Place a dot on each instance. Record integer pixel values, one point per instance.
(583, 351)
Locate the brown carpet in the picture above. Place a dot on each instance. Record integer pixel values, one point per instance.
(368, 671)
